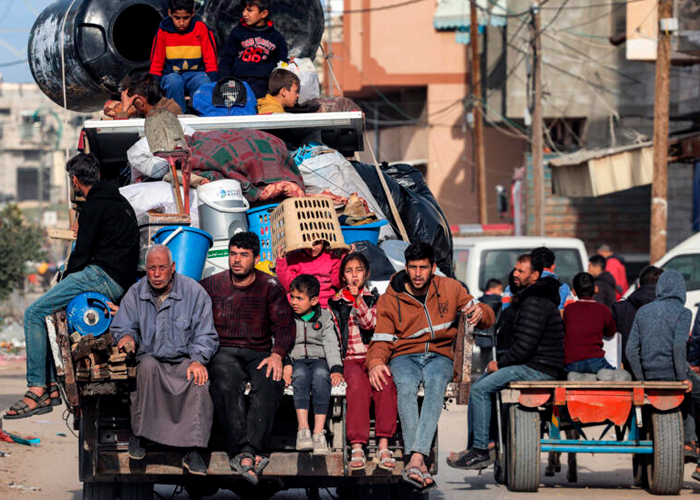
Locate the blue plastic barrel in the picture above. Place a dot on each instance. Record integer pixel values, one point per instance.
(365, 232)
(259, 223)
(189, 249)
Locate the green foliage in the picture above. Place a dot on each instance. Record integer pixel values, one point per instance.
(19, 243)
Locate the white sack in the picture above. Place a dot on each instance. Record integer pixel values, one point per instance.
(159, 196)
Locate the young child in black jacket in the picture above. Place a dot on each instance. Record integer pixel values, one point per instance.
(253, 48)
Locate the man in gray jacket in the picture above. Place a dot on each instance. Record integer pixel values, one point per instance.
(167, 320)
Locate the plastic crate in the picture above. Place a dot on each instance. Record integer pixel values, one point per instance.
(259, 222)
(298, 222)
(365, 232)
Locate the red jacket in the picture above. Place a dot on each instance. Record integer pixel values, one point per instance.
(325, 268)
(617, 269)
(176, 52)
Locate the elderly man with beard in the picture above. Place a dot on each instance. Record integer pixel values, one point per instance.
(413, 341)
(167, 320)
(250, 311)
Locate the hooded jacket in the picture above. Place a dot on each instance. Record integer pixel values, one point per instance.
(607, 289)
(251, 53)
(177, 52)
(317, 338)
(538, 330)
(325, 268)
(656, 349)
(625, 310)
(406, 326)
(108, 235)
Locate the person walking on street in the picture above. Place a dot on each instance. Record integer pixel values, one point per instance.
(413, 342)
(615, 265)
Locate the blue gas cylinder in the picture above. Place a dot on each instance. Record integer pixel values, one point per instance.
(88, 314)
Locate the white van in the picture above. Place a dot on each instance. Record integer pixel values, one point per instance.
(480, 258)
(684, 258)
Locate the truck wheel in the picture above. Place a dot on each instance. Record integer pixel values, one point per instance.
(135, 491)
(524, 449)
(665, 467)
(99, 491)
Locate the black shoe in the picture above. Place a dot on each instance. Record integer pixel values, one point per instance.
(194, 463)
(136, 449)
(475, 459)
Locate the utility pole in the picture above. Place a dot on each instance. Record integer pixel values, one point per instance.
(659, 184)
(329, 44)
(478, 114)
(536, 128)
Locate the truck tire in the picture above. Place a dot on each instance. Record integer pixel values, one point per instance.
(665, 467)
(100, 491)
(135, 491)
(524, 449)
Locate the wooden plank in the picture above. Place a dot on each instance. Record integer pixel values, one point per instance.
(463, 359)
(71, 387)
(55, 348)
(595, 384)
(61, 234)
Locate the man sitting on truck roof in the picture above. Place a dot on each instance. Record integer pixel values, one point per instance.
(413, 342)
(167, 320)
(141, 94)
(250, 310)
(104, 260)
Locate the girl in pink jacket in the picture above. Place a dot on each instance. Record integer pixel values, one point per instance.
(318, 261)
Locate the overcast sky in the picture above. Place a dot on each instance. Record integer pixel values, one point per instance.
(16, 20)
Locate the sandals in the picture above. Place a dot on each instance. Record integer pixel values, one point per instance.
(384, 462)
(53, 387)
(413, 471)
(428, 487)
(360, 458)
(22, 410)
(245, 470)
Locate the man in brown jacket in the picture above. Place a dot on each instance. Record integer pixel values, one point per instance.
(414, 342)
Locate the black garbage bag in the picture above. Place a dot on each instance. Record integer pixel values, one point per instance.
(379, 264)
(410, 177)
(422, 216)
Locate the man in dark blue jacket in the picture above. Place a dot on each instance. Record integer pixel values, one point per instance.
(104, 260)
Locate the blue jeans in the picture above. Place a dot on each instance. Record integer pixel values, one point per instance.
(40, 369)
(590, 365)
(480, 397)
(409, 370)
(311, 379)
(176, 84)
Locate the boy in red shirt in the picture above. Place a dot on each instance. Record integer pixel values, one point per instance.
(183, 56)
(586, 322)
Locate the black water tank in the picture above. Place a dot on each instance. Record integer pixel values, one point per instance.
(301, 22)
(104, 41)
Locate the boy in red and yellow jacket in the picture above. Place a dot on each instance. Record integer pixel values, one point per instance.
(183, 56)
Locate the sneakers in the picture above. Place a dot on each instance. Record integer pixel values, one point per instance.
(136, 449)
(194, 463)
(304, 442)
(475, 459)
(320, 444)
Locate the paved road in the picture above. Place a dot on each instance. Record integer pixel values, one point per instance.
(53, 467)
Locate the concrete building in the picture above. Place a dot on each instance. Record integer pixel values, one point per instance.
(32, 135)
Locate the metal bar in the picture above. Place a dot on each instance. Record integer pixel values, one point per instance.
(638, 450)
(594, 442)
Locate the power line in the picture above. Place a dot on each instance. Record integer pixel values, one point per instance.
(593, 6)
(384, 7)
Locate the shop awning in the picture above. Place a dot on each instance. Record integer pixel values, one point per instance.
(454, 15)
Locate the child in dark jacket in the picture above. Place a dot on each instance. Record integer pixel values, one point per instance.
(586, 322)
(316, 362)
(354, 310)
(254, 47)
(183, 55)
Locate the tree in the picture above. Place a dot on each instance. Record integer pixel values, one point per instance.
(19, 243)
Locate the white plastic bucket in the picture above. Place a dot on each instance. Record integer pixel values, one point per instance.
(222, 208)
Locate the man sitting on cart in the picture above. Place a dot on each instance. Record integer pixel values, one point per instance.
(104, 260)
(167, 320)
(250, 310)
(412, 342)
(536, 352)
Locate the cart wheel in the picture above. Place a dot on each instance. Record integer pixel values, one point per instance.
(99, 491)
(524, 449)
(665, 468)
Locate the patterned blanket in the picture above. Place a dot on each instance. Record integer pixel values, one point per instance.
(256, 159)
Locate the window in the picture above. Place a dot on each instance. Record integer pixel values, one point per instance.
(28, 183)
(499, 263)
(461, 257)
(689, 266)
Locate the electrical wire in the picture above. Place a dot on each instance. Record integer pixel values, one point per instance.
(383, 7)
